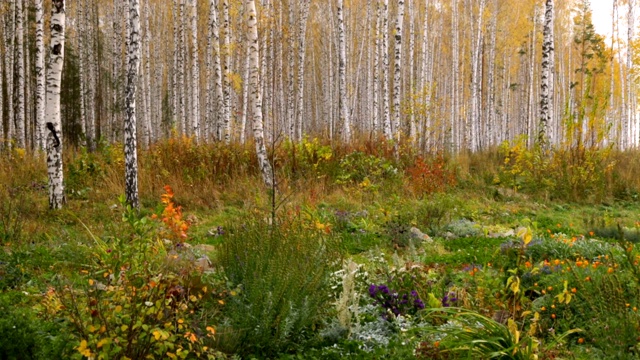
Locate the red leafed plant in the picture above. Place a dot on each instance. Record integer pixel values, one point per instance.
(430, 176)
(172, 216)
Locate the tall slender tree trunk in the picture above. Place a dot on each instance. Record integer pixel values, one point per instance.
(226, 90)
(397, 73)
(20, 86)
(476, 78)
(40, 79)
(455, 70)
(545, 137)
(631, 95)
(302, 35)
(386, 116)
(195, 112)
(342, 75)
(52, 111)
(9, 37)
(130, 138)
(256, 96)
(376, 70)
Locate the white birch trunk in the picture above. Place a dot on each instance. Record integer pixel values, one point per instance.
(52, 111)
(386, 116)
(195, 112)
(342, 76)
(226, 90)
(302, 35)
(412, 117)
(545, 137)
(376, 70)
(9, 35)
(130, 138)
(40, 79)
(475, 81)
(397, 73)
(256, 96)
(20, 97)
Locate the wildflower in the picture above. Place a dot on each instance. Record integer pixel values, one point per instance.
(591, 233)
(543, 308)
(610, 270)
(553, 316)
(581, 340)
(527, 264)
(574, 290)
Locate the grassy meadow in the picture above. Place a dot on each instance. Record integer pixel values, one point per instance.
(360, 253)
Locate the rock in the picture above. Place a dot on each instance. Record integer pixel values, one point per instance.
(204, 248)
(449, 235)
(203, 263)
(191, 219)
(417, 234)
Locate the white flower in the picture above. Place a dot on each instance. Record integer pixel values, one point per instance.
(148, 303)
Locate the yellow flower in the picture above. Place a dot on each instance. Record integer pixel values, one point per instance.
(82, 349)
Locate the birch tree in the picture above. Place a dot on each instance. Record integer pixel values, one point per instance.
(20, 98)
(384, 44)
(302, 30)
(9, 42)
(226, 90)
(52, 111)
(195, 112)
(256, 96)
(40, 79)
(133, 63)
(546, 87)
(397, 73)
(476, 79)
(342, 75)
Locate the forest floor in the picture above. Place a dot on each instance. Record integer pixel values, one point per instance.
(359, 254)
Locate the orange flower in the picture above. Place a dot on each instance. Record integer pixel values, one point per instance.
(574, 290)
(543, 308)
(610, 270)
(590, 233)
(581, 340)
(553, 316)
(527, 264)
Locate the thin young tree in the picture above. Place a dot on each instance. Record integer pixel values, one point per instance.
(342, 75)
(546, 87)
(195, 81)
(40, 79)
(255, 94)
(397, 71)
(52, 111)
(20, 97)
(133, 63)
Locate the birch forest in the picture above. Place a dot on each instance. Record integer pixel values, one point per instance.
(319, 179)
(444, 75)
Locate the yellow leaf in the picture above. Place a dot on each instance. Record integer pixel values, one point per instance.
(171, 355)
(82, 349)
(91, 328)
(193, 298)
(91, 282)
(102, 342)
(118, 308)
(124, 327)
(157, 335)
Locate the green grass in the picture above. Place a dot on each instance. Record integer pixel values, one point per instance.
(325, 197)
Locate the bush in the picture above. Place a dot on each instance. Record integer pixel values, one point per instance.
(280, 275)
(24, 336)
